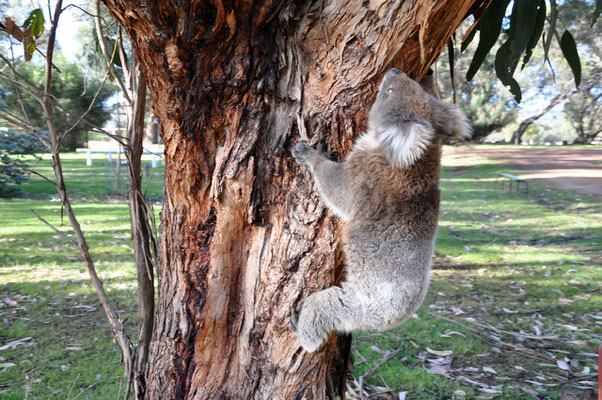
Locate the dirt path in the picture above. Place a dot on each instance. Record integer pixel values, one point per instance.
(571, 168)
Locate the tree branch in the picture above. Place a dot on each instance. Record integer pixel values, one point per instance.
(64, 134)
(23, 167)
(103, 48)
(60, 233)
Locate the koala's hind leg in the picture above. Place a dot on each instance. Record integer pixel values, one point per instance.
(332, 309)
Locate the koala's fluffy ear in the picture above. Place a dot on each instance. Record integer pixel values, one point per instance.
(449, 120)
(428, 83)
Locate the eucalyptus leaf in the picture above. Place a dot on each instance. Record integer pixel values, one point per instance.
(569, 50)
(489, 27)
(502, 70)
(522, 24)
(551, 29)
(29, 47)
(468, 39)
(537, 31)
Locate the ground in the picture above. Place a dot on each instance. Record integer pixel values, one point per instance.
(563, 167)
(513, 311)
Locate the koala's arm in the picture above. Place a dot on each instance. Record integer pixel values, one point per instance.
(336, 189)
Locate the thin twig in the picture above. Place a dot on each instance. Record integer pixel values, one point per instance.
(23, 125)
(73, 384)
(81, 9)
(21, 81)
(522, 335)
(109, 61)
(528, 352)
(64, 134)
(94, 384)
(60, 233)
(31, 171)
(17, 91)
(383, 360)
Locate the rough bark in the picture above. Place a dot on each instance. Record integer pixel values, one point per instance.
(244, 236)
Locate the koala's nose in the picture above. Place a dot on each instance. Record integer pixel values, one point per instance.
(394, 71)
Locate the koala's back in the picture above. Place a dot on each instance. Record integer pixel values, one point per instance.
(389, 243)
(406, 198)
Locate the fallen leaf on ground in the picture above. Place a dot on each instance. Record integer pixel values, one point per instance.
(441, 353)
(490, 370)
(563, 365)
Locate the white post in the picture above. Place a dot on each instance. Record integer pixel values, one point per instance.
(110, 157)
(89, 158)
(154, 160)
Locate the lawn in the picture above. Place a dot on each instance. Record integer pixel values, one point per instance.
(61, 345)
(513, 312)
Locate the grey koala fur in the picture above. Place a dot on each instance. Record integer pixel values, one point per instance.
(387, 193)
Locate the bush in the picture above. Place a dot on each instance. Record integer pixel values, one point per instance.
(14, 147)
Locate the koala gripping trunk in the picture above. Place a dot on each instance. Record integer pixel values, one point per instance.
(244, 236)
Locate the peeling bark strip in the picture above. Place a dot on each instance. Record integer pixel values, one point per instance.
(244, 237)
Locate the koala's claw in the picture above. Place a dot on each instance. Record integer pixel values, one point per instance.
(294, 321)
(326, 150)
(301, 151)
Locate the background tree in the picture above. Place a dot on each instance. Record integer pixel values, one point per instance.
(125, 70)
(53, 110)
(584, 110)
(73, 88)
(584, 107)
(553, 72)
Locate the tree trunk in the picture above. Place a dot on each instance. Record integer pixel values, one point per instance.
(586, 138)
(142, 236)
(522, 127)
(244, 235)
(151, 134)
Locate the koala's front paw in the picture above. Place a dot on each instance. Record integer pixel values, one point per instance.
(302, 152)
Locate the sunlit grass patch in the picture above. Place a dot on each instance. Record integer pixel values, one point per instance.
(48, 308)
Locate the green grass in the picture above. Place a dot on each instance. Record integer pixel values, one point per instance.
(93, 182)
(45, 291)
(508, 262)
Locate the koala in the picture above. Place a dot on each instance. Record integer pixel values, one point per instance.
(387, 194)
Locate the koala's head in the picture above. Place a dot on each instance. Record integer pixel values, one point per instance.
(400, 100)
(404, 118)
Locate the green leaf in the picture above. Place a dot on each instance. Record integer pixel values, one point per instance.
(489, 27)
(35, 23)
(569, 50)
(597, 11)
(522, 24)
(537, 31)
(551, 30)
(503, 71)
(29, 47)
(110, 43)
(468, 39)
